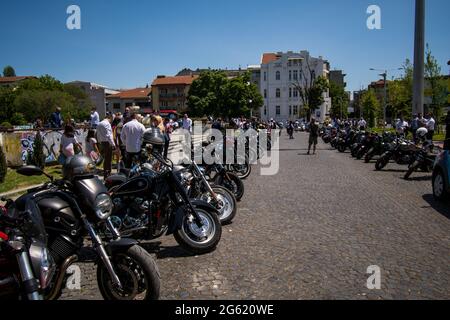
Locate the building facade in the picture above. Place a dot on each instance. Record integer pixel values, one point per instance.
(171, 93)
(140, 97)
(96, 93)
(280, 74)
(13, 81)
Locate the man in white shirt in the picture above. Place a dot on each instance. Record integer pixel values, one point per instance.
(362, 124)
(187, 123)
(131, 136)
(106, 140)
(431, 126)
(401, 127)
(95, 118)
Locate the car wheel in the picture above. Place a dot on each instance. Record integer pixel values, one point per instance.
(439, 192)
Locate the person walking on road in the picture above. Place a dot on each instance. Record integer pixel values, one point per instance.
(107, 146)
(187, 123)
(313, 136)
(95, 118)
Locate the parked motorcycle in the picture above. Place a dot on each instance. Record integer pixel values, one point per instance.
(424, 160)
(401, 152)
(379, 146)
(155, 203)
(47, 227)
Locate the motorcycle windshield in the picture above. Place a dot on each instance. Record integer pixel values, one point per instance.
(34, 224)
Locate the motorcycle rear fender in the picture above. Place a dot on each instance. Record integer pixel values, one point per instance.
(120, 245)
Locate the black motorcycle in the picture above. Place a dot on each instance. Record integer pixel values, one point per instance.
(424, 160)
(47, 228)
(380, 145)
(198, 187)
(401, 152)
(155, 203)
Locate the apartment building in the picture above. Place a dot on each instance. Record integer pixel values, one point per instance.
(281, 73)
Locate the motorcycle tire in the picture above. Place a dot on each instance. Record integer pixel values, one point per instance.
(341, 148)
(234, 184)
(369, 156)
(360, 153)
(243, 171)
(228, 212)
(381, 163)
(197, 241)
(137, 271)
(411, 169)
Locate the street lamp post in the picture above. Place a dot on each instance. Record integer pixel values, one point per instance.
(419, 58)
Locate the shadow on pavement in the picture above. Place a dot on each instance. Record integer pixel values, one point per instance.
(441, 207)
(165, 252)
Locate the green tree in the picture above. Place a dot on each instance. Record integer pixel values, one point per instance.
(311, 89)
(37, 157)
(214, 94)
(9, 71)
(3, 165)
(7, 108)
(371, 107)
(400, 92)
(437, 85)
(18, 119)
(339, 100)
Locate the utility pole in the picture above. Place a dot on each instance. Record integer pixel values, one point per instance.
(419, 58)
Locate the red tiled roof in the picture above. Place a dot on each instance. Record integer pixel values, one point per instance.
(132, 94)
(269, 57)
(13, 79)
(186, 80)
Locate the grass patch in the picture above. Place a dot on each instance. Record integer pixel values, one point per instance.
(438, 137)
(15, 181)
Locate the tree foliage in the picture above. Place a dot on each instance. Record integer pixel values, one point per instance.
(339, 100)
(437, 85)
(9, 71)
(37, 157)
(371, 107)
(216, 95)
(38, 98)
(400, 93)
(310, 88)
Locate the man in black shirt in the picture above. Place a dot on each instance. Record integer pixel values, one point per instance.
(313, 136)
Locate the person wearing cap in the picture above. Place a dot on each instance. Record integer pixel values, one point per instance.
(106, 140)
(131, 136)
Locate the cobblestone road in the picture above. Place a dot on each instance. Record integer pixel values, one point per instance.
(311, 232)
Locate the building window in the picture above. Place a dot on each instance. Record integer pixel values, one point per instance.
(278, 93)
(265, 93)
(278, 75)
(290, 75)
(295, 74)
(295, 110)
(265, 76)
(265, 110)
(128, 105)
(290, 110)
(116, 106)
(278, 110)
(290, 92)
(295, 93)
(289, 63)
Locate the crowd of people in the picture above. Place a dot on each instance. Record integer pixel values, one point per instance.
(118, 136)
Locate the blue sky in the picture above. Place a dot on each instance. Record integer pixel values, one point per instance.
(125, 44)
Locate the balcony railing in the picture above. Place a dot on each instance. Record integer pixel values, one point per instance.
(171, 95)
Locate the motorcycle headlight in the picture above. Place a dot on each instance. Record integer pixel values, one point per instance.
(103, 206)
(43, 264)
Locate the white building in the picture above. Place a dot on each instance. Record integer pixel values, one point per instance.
(280, 73)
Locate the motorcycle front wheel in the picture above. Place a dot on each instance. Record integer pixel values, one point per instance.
(413, 167)
(381, 163)
(242, 170)
(137, 272)
(228, 205)
(232, 183)
(200, 240)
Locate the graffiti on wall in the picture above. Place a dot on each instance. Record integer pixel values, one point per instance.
(20, 144)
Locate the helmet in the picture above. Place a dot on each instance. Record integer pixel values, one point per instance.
(78, 166)
(422, 133)
(154, 137)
